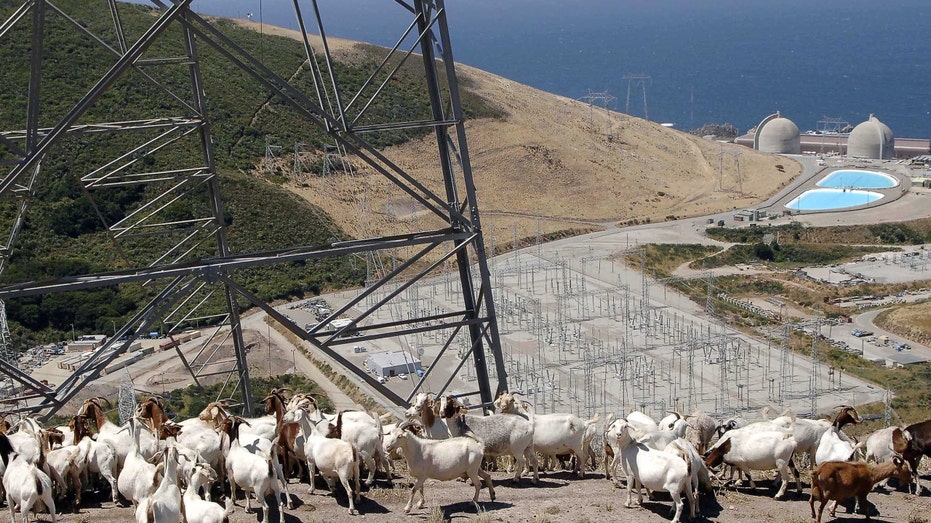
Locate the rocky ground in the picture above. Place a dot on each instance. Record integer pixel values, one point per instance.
(557, 498)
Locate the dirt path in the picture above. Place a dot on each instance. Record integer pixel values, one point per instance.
(556, 498)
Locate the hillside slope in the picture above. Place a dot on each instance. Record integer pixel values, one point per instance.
(554, 162)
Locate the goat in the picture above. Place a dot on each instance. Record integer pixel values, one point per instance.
(650, 435)
(919, 445)
(757, 451)
(333, 457)
(164, 505)
(98, 457)
(288, 433)
(503, 434)
(885, 444)
(835, 446)
(119, 437)
(217, 413)
(657, 470)
(641, 421)
(554, 434)
(808, 433)
(25, 483)
(426, 409)
(441, 459)
(612, 453)
(699, 476)
(137, 477)
(364, 433)
(202, 437)
(700, 430)
(838, 480)
(197, 510)
(66, 460)
(252, 471)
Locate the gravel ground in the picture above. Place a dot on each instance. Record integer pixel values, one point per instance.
(557, 498)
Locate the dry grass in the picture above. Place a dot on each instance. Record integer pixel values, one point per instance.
(554, 164)
(909, 321)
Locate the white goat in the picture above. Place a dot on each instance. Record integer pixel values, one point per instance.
(750, 450)
(657, 470)
(164, 504)
(120, 437)
(251, 471)
(808, 433)
(554, 434)
(641, 421)
(835, 446)
(364, 433)
(503, 434)
(333, 457)
(198, 436)
(885, 444)
(137, 477)
(98, 457)
(198, 510)
(444, 460)
(67, 463)
(26, 486)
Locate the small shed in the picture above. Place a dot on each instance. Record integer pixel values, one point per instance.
(387, 364)
(903, 359)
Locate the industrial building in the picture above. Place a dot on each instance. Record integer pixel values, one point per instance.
(870, 139)
(388, 364)
(776, 134)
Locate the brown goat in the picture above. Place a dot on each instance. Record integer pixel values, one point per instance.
(840, 480)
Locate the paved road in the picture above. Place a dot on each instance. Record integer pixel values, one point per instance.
(304, 366)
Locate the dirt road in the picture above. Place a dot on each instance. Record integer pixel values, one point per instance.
(556, 498)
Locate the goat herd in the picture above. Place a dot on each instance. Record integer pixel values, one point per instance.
(167, 469)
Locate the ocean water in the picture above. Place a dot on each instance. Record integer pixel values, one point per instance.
(708, 61)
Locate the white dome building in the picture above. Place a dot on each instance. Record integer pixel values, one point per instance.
(871, 139)
(779, 135)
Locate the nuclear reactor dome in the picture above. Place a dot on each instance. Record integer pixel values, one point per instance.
(871, 139)
(779, 135)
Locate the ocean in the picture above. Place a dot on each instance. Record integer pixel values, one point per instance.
(698, 61)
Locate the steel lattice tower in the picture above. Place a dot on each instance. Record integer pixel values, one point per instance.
(196, 262)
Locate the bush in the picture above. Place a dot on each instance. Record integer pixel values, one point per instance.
(764, 252)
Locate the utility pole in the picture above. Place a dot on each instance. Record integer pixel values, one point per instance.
(634, 80)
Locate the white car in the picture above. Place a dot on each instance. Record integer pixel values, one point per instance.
(402, 376)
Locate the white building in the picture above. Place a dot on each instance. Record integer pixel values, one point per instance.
(387, 364)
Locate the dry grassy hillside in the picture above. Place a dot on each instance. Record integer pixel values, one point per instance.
(555, 163)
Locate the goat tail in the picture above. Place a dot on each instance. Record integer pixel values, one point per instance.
(39, 488)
